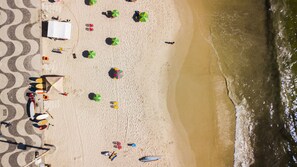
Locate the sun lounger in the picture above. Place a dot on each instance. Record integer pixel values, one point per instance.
(39, 80)
(113, 156)
(39, 86)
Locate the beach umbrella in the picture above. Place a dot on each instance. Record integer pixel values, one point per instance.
(115, 41)
(115, 13)
(92, 2)
(118, 73)
(143, 17)
(91, 54)
(97, 97)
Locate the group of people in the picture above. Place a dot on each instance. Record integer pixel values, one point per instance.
(114, 154)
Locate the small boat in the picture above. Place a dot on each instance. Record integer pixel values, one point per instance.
(31, 102)
(149, 158)
(42, 116)
(32, 109)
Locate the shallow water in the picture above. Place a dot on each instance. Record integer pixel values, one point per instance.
(240, 36)
(255, 51)
(255, 43)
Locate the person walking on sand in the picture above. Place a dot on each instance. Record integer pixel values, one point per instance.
(171, 43)
(132, 144)
(64, 94)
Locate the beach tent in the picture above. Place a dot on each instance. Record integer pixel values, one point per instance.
(54, 84)
(60, 30)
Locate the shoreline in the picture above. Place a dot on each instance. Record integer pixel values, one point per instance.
(203, 111)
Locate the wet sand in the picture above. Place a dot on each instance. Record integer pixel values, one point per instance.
(198, 97)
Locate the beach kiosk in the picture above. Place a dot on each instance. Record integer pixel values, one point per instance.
(59, 30)
(54, 84)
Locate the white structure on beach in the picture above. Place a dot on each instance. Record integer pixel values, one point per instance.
(60, 30)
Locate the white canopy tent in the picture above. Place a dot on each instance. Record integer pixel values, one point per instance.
(54, 84)
(61, 30)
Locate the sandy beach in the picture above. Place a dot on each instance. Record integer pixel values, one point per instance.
(172, 103)
(83, 128)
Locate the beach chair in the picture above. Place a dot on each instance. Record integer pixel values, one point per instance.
(113, 156)
(42, 122)
(39, 86)
(39, 80)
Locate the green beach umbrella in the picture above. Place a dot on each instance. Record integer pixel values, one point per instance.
(97, 97)
(115, 13)
(115, 41)
(92, 54)
(92, 2)
(143, 17)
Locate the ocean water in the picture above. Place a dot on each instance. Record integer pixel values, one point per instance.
(256, 45)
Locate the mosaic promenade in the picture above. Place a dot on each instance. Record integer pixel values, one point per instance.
(19, 59)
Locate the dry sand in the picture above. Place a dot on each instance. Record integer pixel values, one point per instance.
(83, 128)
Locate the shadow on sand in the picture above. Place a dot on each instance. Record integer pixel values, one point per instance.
(85, 53)
(28, 108)
(108, 14)
(136, 16)
(33, 78)
(108, 41)
(22, 146)
(91, 96)
(44, 28)
(112, 73)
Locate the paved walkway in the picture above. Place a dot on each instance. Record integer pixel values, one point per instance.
(19, 59)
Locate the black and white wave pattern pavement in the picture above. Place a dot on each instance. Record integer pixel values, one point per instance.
(19, 47)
